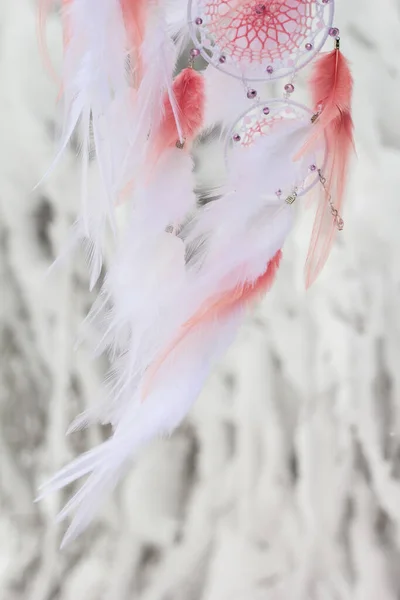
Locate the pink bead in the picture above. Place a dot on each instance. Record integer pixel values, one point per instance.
(334, 32)
(270, 70)
(266, 110)
(222, 59)
(260, 8)
(289, 88)
(199, 21)
(278, 193)
(236, 137)
(309, 46)
(194, 52)
(251, 94)
(313, 168)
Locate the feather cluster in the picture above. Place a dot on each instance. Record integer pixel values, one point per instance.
(171, 304)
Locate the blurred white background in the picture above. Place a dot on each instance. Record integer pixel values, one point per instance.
(284, 482)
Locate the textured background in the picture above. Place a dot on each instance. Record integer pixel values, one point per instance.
(284, 482)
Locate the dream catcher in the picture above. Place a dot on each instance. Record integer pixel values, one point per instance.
(183, 275)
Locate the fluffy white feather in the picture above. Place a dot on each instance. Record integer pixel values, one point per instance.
(94, 84)
(94, 72)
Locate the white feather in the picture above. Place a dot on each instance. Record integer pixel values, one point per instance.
(94, 72)
(94, 82)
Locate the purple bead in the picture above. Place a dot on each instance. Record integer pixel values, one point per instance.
(194, 52)
(309, 46)
(313, 168)
(260, 8)
(266, 110)
(251, 94)
(325, 1)
(289, 88)
(334, 32)
(270, 70)
(222, 59)
(236, 137)
(199, 21)
(278, 193)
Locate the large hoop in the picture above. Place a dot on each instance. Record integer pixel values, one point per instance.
(259, 40)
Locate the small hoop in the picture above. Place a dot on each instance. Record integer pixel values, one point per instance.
(259, 121)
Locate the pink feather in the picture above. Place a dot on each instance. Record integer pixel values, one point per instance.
(134, 12)
(331, 85)
(188, 91)
(219, 307)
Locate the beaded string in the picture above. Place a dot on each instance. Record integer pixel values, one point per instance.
(339, 222)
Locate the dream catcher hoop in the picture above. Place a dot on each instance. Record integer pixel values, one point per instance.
(283, 124)
(259, 40)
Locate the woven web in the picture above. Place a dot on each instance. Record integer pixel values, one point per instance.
(260, 30)
(253, 128)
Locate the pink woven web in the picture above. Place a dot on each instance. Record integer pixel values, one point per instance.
(257, 128)
(259, 31)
